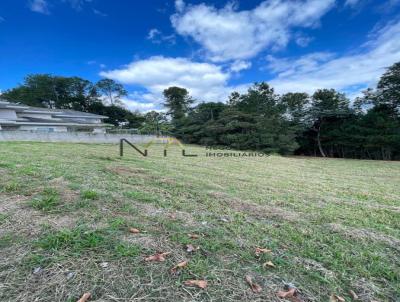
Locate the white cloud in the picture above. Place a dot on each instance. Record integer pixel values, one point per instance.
(42, 6)
(153, 33)
(157, 37)
(132, 104)
(239, 65)
(228, 34)
(179, 5)
(39, 6)
(204, 81)
(348, 73)
(303, 41)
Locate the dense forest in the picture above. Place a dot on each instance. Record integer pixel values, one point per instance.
(323, 124)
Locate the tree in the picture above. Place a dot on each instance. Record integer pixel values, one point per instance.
(44, 90)
(117, 116)
(112, 90)
(256, 120)
(297, 107)
(177, 101)
(380, 131)
(202, 122)
(326, 105)
(82, 93)
(259, 99)
(389, 88)
(155, 122)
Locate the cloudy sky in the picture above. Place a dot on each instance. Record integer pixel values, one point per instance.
(210, 47)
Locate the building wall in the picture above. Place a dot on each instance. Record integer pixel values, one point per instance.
(76, 137)
(8, 114)
(44, 128)
(83, 120)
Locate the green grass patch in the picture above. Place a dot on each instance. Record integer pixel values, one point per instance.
(6, 240)
(47, 201)
(90, 195)
(3, 218)
(11, 187)
(81, 240)
(143, 196)
(77, 240)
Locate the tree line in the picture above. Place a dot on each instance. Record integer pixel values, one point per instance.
(324, 123)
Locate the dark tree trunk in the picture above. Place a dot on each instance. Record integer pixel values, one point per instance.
(319, 141)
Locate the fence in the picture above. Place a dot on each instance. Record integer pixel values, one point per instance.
(76, 137)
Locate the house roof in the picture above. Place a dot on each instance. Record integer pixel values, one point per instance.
(69, 112)
(7, 105)
(63, 113)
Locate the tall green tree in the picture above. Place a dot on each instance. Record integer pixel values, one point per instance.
(256, 120)
(380, 130)
(112, 90)
(202, 122)
(117, 115)
(326, 105)
(43, 90)
(155, 122)
(297, 107)
(388, 90)
(177, 101)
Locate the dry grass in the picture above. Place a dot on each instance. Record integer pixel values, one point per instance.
(332, 225)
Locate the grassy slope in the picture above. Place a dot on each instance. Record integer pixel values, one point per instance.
(332, 225)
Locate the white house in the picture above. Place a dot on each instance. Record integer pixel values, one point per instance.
(15, 116)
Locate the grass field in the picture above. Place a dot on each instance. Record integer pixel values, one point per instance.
(333, 226)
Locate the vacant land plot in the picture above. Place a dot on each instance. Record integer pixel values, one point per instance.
(76, 218)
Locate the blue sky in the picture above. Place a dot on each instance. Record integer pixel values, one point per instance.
(209, 47)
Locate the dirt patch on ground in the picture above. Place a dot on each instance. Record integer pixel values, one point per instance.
(62, 281)
(150, 210)
(256, 210)
(10, 203)
(382, 207)
(365, 234)
(365, 290)
(315, 266)
(321, 202)
(126, 171)
(66, 194)
(10, 260)
(154, 244)
(25, 221)
(168, 181)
